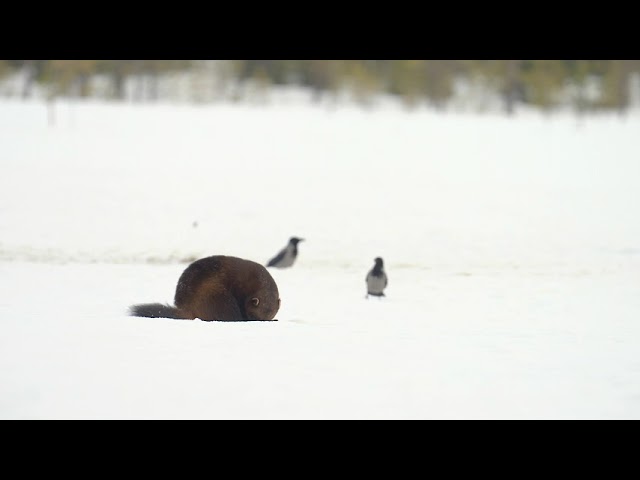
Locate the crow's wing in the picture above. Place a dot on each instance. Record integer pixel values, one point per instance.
(278, 258)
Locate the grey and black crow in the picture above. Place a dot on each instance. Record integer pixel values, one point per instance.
(376, 279)
(287, 255)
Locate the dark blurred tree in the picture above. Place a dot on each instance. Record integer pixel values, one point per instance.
(438, 81)
(243, 71)
(117, 71)
(512, 87)
(322, 76)
(5, 68)
(579, 79)
(359, 77)
(504, 77)
(616, 85)
(147, 74)
(248, 69)
(68, 77)
(407, 79)
(33, 73)
(543, 82)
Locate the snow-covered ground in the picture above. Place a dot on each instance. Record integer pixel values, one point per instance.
(512, 247)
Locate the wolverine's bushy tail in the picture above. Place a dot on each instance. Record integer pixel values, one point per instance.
(156, 310)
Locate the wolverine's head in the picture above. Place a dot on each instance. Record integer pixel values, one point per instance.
(264, 302)
(262, 307)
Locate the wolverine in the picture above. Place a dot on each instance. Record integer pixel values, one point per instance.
(221, 288)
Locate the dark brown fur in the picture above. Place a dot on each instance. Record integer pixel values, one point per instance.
(220, 288)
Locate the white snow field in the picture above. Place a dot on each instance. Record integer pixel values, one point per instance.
(512, 246)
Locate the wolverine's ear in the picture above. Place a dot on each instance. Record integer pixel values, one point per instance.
(255, 301)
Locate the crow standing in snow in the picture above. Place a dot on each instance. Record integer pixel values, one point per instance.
(287, 255)
(376, 279)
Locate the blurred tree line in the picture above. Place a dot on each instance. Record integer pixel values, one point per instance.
(586, 85)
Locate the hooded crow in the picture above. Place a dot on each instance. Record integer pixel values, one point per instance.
(287, 255)
(376, 279)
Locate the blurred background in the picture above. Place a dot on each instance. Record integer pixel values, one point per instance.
(506, 85)
(501, 194)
